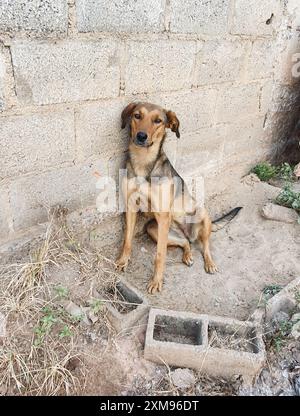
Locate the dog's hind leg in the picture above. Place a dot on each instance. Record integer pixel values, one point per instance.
(175, 239)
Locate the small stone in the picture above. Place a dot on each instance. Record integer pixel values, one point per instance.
(296, 317)
(183, 378)
(278, 213)
(297, 385)
(295, 332)
(76, 311)
(280, 317)
(92, 316)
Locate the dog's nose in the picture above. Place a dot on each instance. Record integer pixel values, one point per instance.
(141, 137)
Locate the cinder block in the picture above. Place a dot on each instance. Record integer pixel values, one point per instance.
(286, 300)
(158, 62)
(208, 146)
(220, 61)
(203, 17)
(73, 187)
(240, 144)
(31, 143)
(128, 307)
(121, 16)
(176, 338)
(65, 71)
(4, 205)
(262, 60)
(217, 346)
(252, 17)
(237, 102)
(98, 127)
(194, 109)
(32, 16)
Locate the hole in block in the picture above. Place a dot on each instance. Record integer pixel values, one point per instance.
(231, 337)
(178, 330)
(123, 299)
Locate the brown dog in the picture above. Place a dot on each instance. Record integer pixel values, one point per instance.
(153, 186)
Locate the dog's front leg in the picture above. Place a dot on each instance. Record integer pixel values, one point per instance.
(127, 245)
(163, 221)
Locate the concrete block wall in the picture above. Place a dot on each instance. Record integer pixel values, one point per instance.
(68, 67)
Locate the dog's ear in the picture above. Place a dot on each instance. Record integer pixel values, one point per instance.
(126, 113)
(173, 122)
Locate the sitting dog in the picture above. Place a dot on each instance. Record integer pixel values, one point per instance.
(152, 181)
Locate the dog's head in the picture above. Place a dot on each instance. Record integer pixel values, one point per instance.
(148, 123)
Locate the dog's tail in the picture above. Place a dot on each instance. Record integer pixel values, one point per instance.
(221, 222)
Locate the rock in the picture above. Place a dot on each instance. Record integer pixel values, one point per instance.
(280, 317)
(92, 316)
(297, 170)
(296, 317)
(278, 213)
(297, 385)
(183, 378)
(250, 179)
(295, 332)
(76, 311)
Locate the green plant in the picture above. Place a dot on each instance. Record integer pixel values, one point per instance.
(283, 331)
(61, 292)
(65, 332)
(45, 325)
(286, 172)
(271, 290)
(289, 198)
(265, 171)
(96, 305)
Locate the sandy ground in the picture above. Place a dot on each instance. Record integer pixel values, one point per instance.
(251, 253)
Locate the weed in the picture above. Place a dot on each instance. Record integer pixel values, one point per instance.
(65, 332)
(61, 292)
(282, 333)
(96, 305)
(265, 171)
(286, 172)
(289, 198)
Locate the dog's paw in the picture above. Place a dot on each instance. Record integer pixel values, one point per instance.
(210, 267)
(187, 259)
(154, 286)
(121, 264)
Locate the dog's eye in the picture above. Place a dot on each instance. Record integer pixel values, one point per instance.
(137, 116)
(157, 121)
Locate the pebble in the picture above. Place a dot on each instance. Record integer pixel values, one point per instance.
(183, 378)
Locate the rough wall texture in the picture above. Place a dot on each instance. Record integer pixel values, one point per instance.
(67, 68)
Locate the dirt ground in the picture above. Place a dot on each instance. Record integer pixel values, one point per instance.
(251, 253)
(93, 359)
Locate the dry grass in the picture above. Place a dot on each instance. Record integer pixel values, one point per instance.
(41, 338)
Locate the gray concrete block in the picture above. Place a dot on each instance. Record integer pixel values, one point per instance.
(194, 109)
(153, 66)
(33, 142)
(33, 16)
(284, 301)
(252, 17)
(220, 61)
(237, 103)
(2, 80)
(262, 60)
(98, 127)
(185, 339)
(72, 187)
(199, 16)
(65, 71)
(120, 16)
(128, 308)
